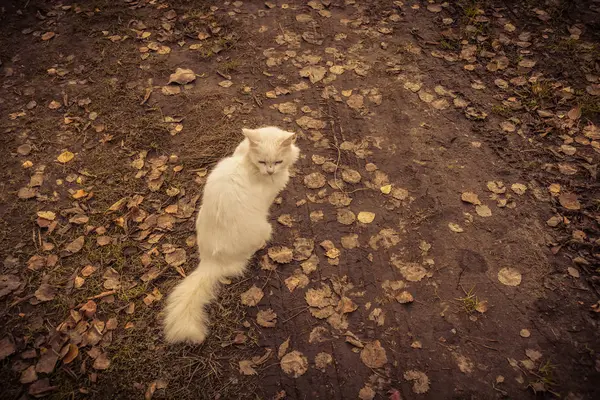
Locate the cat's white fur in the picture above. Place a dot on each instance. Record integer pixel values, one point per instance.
(232, 224)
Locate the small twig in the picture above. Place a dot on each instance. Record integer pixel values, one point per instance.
(257, 100)
(482, 345)
(103, 294)
(295, 315)
(224, 76)
(268, 278)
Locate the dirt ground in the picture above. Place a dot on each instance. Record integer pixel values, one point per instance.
(439, 238)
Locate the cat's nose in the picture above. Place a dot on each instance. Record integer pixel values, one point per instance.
(270, 172)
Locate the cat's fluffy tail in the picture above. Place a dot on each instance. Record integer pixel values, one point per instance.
(185, 317)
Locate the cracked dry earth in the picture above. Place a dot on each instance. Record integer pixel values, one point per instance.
(438, 238)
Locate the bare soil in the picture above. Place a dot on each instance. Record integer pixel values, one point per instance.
(448, 188)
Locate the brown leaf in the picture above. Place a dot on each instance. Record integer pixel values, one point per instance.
(373, 355)
(574, 113)
(420, 381)
(246, 367)
(266, 318)
(182, 76)
(294, 363)
(29, 375)
(45, 292)
(47, 361)
(27, 193)
(88, 270)
(469, 197)
(297, 280)
(153, 386)
(71, 354)
(315, 180)
(252, 296)
(404, 297)
(41, 387)
(89, 308)
(281, 254)
(569, 201)
(509, 276)
(47, 36)
(283, 347)
(176, 258)
(367, 393)
(303, 249)
(101, 362)
(103, 240)
(7, 348)
(322, 360)
(8, 284)
(76, 245)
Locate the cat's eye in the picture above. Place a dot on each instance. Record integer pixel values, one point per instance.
(278, 162)
(262, 162)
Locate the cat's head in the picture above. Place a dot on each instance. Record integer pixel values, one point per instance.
(271, 149)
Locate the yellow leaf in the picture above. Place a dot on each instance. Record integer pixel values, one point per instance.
(366, 217)
(79, 194)
(49, 215)
(65, 157)
(386, 189)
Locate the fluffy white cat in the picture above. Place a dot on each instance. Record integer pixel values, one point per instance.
(232, 224)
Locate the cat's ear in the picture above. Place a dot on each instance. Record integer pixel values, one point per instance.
(252, 135)
(289, 141)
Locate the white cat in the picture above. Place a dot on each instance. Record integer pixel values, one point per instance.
(232, 224)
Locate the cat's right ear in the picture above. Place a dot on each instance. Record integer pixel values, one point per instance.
(252, 135)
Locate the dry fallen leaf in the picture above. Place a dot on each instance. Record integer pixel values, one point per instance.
(315, 180)
(421, 381)
(345, 216)
(71, 354)
(281, 254)
(569, 201)
(266, 318)
(182, 76)
(8, 284)
(405, 297)
(101, 362)
(76, 245)
(294, 363)
(65, 157)
(412, 272)
(366, 393)
(45, 292)
(366, 217)
(350, 241)
(469, 197)
(455, 227)
(283, 348)
(297, 280)
(518, 188)
(7, 348)
(373, 355)
(330, 250)
(483, 211)
(509, 276)
(322, 360)
(252, 296)
(246, 367)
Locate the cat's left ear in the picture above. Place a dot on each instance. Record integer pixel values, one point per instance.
(289, 141)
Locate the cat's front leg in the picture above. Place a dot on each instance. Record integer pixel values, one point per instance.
(267, 232)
